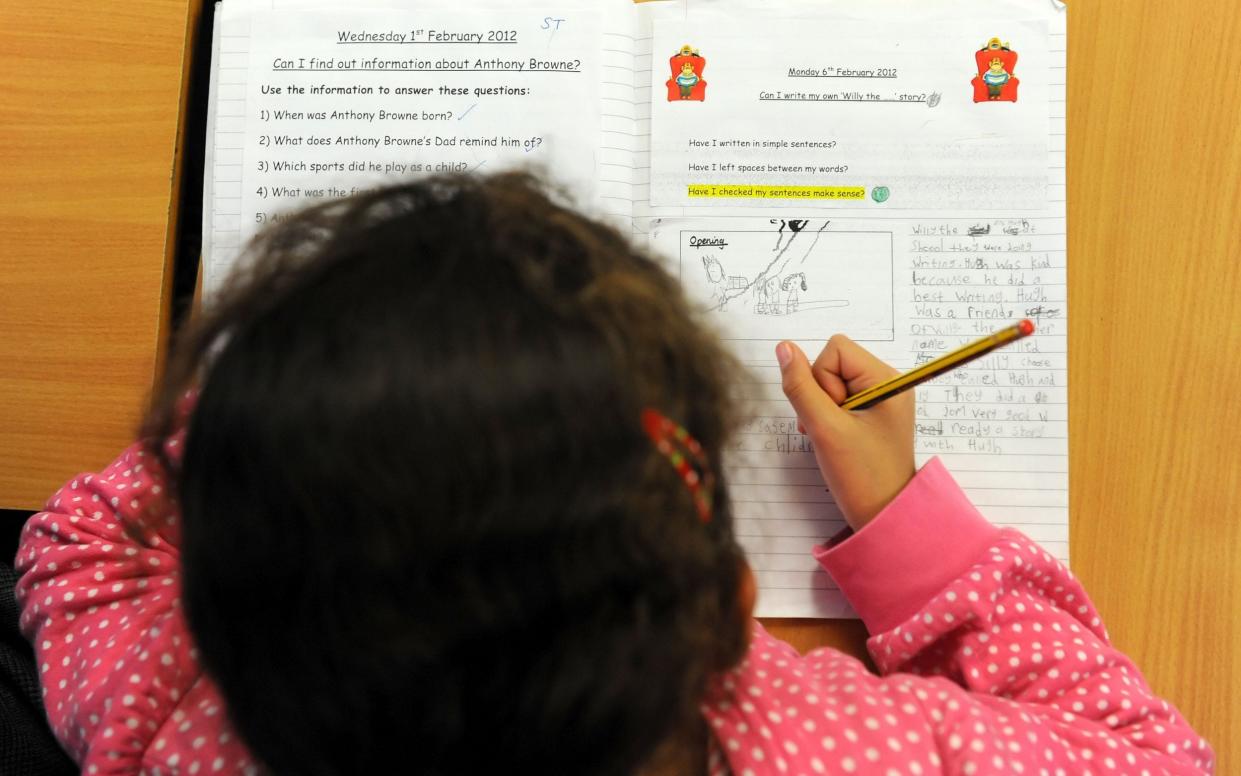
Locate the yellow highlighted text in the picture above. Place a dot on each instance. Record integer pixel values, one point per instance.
(747, 191)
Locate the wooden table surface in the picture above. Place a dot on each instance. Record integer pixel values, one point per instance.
(90, 118)
(90, 112)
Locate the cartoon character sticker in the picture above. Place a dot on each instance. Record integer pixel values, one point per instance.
(995, 80)
(686, 81)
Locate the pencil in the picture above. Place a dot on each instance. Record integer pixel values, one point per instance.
(932, 369)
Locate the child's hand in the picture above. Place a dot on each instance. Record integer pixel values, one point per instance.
(866, 456)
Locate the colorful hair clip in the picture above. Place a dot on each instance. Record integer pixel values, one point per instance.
(675, 443)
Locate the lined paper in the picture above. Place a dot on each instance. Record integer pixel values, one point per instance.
(1000, 424)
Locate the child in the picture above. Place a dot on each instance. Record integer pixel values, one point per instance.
(437, 490)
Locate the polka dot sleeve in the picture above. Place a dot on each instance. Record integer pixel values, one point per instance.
(991, 660)
(1025, 656)
(102, 611)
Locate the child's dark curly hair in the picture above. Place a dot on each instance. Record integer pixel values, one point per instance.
(421, 522)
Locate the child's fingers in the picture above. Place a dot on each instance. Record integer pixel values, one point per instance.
(845, 368)
(829, 379)
(815, 409)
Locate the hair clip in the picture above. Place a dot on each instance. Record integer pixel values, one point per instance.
(675, 443)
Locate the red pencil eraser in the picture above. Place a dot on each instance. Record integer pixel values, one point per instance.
(1026, 327)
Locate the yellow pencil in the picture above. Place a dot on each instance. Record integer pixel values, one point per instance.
(963, 355)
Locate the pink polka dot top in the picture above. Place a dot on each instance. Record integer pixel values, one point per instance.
(991, 657)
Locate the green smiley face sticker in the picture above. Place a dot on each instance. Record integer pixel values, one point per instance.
(880, 193)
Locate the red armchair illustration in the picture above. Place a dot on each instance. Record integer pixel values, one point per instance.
(995, 81)
(686, 81)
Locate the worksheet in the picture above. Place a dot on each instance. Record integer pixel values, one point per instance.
(834, 175)
(316, 102)
(847, 113)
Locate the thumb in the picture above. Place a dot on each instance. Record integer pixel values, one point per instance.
(814, 408)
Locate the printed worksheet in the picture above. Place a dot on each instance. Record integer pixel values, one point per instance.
(316, 103)
(843, 111)
(903, 184)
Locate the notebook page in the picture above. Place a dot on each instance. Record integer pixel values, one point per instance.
(335, 101)
(1000, 423)
(225, 147)
(641, 157)
(908, 282)
(213, 88)
(619, 101)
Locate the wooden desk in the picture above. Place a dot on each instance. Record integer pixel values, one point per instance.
(90, 125)
(89, 142)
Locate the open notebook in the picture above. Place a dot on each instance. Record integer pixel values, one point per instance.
(888, 171)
